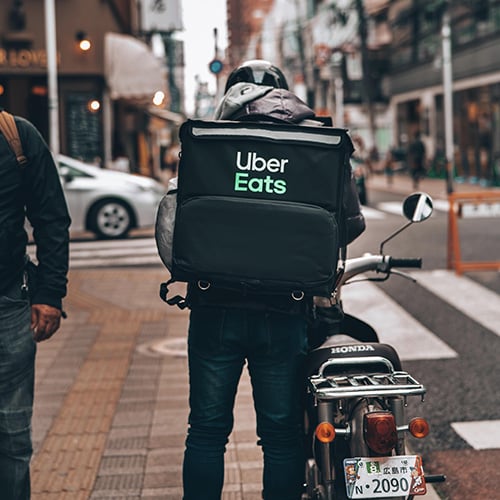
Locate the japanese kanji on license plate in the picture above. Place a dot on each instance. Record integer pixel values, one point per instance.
(383, 477)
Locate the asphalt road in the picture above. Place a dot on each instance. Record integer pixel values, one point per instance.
(461, 389)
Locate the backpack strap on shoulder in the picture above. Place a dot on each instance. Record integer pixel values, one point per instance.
(8, 128)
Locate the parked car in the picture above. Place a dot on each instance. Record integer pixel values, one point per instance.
(107, 202)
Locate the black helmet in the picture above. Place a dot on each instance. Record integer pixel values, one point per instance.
(257, 71)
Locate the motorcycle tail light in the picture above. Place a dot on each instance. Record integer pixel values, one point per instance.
(380, 431)
(325, 432)
(418, 427)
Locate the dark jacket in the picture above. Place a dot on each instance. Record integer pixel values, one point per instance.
(246, 101)
(35, 191)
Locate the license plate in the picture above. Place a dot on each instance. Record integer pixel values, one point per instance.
(384, 477)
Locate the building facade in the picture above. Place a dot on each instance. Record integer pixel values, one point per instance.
(376, 67)
(334, 54)
(244, 22)
(416, 83)
(97, 123)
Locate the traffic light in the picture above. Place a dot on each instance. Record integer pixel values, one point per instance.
(215, 66)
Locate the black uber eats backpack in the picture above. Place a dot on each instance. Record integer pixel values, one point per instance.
(259, 207)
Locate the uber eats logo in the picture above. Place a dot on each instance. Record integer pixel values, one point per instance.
(246, 180)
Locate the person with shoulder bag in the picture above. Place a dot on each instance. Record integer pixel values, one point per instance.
(29, 187)
(230, 328)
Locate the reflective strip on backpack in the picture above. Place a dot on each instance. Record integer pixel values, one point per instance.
(279, 135)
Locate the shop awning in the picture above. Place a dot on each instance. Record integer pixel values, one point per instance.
(132, 71)
(167, 115)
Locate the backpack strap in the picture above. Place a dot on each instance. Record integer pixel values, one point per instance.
(9, 130)
(176, 300)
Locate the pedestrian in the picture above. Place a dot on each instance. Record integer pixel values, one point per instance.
(417, 160)
(27, 314)
(228, 329)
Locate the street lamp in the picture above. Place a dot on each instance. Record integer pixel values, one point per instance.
(83, 41)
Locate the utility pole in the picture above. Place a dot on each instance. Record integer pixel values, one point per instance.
(448, 98)
(53, 99)
(302, 58)
(216, 58)
(367, 83)
(168, 40)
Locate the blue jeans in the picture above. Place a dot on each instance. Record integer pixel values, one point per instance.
(274, 346)
(17, 367)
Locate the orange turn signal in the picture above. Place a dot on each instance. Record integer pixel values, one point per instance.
(418, 427)
(325, 432)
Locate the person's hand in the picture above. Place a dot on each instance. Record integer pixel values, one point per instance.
(45, 321)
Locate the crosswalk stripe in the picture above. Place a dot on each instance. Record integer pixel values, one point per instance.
(76, 253)
(441, 205)
(141, 260)
(481, 435)
(147, 242)
(113, 253)
(391, 207)
(394, 325)
(396, 208)
(456, 290)
(372, 213)
(102, 253)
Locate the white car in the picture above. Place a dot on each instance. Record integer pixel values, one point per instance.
(107, 202)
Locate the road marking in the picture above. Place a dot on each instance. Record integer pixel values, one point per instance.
(441, 205)
(396, 207)
(372, 213)
(110, 253)
(391, 207)
(394, 325)
(456, 290)
(115, 262)
(481, 435)
(148, 242)
(76, 253)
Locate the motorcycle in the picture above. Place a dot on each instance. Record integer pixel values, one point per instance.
(357, 391)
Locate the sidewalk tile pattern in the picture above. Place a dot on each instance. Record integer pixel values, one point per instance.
(110, 412)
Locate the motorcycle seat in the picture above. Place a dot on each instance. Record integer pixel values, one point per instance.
(339, 348)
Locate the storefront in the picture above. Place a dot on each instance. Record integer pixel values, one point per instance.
(104, 89)
(478, 134)
(476, 130)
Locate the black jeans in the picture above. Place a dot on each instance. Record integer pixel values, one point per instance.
(274, 346)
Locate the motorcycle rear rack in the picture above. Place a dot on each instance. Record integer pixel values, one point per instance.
(396, 383)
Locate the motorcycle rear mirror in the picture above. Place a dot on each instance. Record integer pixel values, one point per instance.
(417, 207)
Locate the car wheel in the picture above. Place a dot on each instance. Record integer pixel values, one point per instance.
(110, 219)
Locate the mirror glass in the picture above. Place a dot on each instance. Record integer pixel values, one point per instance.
(417, 207)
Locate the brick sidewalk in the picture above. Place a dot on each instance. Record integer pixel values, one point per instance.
(111, 397)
